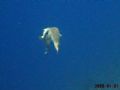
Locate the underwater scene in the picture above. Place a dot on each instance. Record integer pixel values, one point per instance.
(59, 44)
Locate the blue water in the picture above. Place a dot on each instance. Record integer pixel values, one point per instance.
(89, 48)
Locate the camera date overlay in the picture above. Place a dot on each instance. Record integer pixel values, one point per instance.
(101, 85)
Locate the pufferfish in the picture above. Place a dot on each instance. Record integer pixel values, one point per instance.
(51, 35)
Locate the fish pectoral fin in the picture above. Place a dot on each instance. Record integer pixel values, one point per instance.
(40, 37)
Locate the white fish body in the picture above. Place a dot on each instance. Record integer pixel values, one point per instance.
(51, 34)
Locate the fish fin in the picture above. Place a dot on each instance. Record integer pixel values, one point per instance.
(41, 37)
(56, 47)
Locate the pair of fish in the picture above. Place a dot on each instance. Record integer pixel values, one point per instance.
(51, 34)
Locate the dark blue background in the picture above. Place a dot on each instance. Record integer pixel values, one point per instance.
(89, 51)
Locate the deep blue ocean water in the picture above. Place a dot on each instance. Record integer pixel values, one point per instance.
(89, 49)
